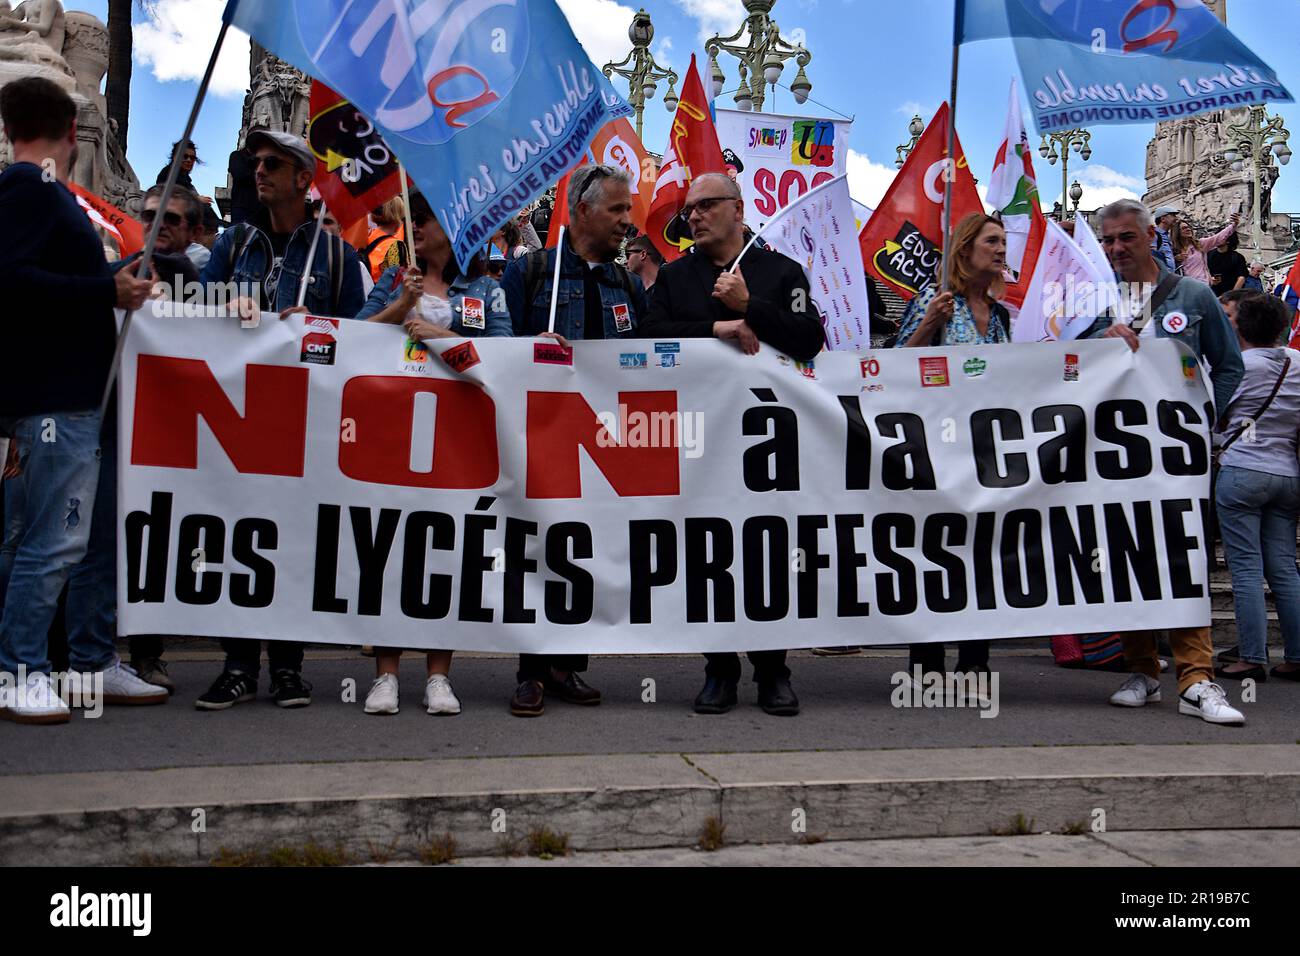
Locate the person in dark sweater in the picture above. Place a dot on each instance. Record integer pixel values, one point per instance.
(59, 336)
(764, 301)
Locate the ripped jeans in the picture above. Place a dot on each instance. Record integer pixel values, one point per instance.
(59, 527)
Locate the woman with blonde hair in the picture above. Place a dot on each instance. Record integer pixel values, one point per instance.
(967, 314)
(1190, 253)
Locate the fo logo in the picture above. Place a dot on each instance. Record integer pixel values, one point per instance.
(409, 65)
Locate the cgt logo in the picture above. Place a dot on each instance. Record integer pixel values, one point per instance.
(408, 65)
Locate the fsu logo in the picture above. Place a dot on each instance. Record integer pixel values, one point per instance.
(425, 70)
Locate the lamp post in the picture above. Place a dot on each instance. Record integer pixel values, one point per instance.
(915, 128)
(640, 69)
(1255, 137)
(1076, 193)
(761, 59)
(1066, 139)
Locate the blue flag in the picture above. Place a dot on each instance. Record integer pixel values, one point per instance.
(1097, 62)
(485, 102)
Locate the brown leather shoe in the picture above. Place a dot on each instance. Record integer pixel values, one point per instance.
(529, 700)
(573, 689)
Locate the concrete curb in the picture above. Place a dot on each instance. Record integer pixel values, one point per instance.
(378, 810)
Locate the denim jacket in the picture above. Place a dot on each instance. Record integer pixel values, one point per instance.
(490, 304)
(245, 255)
(532, 318)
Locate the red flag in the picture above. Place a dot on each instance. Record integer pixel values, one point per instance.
(617, 145)
(1291, 288)
(129, 232)
(692, 151)
(560, 213)
(355, 169)
(902, 243)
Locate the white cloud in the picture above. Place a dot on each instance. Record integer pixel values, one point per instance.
(868, 180)
(714, 16)
(601, 27)
(913, 108)
(664, 54)
(1099, 175)
(176, 40)
(1101, 185)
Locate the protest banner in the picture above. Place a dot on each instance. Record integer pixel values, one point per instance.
(128, 232)
(1098, 62)
(331, 481)
(777, 159)
(485, 104)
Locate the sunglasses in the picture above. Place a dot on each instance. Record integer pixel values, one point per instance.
(705, 205)
(170, 218)
(273, 164)
(596, 175)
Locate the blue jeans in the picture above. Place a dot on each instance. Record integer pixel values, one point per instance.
(60, 528)
(1258, 512)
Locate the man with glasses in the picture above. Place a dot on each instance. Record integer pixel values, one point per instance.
(598, 299)
(764, 300)
(171, 263)
(644, 261)
(268, 256)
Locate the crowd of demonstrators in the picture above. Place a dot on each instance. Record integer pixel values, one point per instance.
(60, 523)
(1258, 488)
(1127, 236)
(597, 299)
(756, 297)
(1190, 252)
(59, 496)
(967, 314)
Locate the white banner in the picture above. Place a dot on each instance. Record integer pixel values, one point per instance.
(336, 483)
(779, 158)
(818, 230)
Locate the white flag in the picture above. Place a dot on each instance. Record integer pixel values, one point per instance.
(1068, 290)
(1013, 191)
(819, 231)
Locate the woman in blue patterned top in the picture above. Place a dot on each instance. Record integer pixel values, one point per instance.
(969, 314)
(433, 300)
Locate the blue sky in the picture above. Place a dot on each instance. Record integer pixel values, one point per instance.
(878, 61)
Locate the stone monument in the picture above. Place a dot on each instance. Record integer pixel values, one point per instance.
(1185, 168)
(38, 38)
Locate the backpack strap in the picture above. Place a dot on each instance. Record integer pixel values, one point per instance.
(534, 275)
(1286, 366)
(244, 234)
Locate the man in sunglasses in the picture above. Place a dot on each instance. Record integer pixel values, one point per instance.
(765, 300)
(269, 254)
(171, 264)
(598, 299)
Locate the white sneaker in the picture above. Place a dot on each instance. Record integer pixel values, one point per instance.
(382, 697)
(122, 685)
(439, 698)
(1208, 701)
(1136, 691)
(36, 701)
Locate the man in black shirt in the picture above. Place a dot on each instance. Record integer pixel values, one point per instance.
(766, 300)
(1227, 267)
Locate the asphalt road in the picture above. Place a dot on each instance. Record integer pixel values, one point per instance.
(846, 705)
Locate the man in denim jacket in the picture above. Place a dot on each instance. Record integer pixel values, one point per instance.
(267, 255)
(598, 299)
(1192, 315)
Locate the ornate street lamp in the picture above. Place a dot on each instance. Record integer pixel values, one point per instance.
(915, 128)
(1076, 193)
(761, 59)
(1258, 139)
(1066, 139)
(641, 71)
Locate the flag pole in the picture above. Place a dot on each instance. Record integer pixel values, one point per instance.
(950, 170)
(311, 254)
(555, 280)
(406, 205)
(781, 212)
(173, 174)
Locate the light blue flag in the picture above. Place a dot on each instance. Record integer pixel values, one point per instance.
(1098, 62)
(485, 102)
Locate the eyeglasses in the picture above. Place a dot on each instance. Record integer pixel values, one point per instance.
(170, 218)
(705, 205)
(273, 164)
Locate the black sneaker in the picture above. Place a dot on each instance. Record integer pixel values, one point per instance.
(288, 689)
(229, 689)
